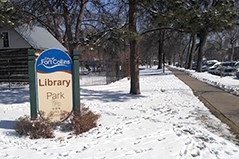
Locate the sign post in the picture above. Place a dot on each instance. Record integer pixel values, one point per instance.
(76, 91)
(54, 85)
(32, 83)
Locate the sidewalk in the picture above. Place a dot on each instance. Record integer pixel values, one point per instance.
(223, 105)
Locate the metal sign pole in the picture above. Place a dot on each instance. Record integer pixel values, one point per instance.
(76, 85)
(32, 83)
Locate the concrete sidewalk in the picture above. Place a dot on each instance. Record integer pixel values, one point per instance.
(223, 105)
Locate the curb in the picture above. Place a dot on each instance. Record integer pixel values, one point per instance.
(233, 127)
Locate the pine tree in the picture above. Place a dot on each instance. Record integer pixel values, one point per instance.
(6, 12)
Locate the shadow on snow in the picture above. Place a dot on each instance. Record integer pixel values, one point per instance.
(7, 124)
(14, 95)
(108, 96)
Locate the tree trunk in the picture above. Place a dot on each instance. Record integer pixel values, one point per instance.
(202, 38)
(164, 62)
(160, 49)
(232, 51)
(68, 27)
(160, 54)
(80, 18)
(188, 52)
(174, 59)
(190, 58)
(134, 55)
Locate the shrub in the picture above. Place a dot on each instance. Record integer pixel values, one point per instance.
(84, 121)
(79, 122)
(35, 129)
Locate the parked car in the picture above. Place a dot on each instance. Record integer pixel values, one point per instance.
(223, 68)
(237, 73)
(226, 69)
(208, 64)
(213, 68)
(205, 65)
(194, 65)
(228, 64)
(236, 64)
(237, 67)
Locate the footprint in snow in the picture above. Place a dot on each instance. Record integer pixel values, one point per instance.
(3, 155)
(190, 149)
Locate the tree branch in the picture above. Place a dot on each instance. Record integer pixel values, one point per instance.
(157, 29)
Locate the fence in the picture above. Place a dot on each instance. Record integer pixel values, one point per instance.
(14, 69)
(13, 65)
(101, 72)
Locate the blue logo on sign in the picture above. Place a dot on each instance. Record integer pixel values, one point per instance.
(53, 60)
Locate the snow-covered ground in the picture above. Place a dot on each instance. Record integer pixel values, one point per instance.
(165, 122)
(93, 79)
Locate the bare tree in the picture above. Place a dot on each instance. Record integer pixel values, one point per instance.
(63, 18)
(232, 36)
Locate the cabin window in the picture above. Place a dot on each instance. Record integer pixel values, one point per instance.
(5, 39)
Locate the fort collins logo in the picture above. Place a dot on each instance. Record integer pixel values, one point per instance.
(54, 85)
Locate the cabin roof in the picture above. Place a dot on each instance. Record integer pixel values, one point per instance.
(39, 37)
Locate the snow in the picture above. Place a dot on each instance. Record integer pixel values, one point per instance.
(166, 121)
(39, 37)
(227, 83)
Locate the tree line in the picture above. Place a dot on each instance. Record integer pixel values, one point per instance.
(169, 29)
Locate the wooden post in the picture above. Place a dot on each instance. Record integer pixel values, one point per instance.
(76, 83)
(32, 83)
